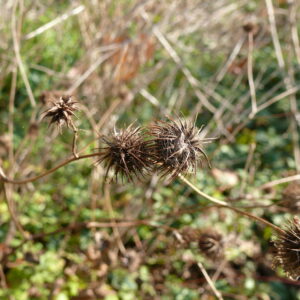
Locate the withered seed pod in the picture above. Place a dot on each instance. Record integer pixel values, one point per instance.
(211, 244)
(287, 246)
(177, 147)
(127, 153)
(61, 112)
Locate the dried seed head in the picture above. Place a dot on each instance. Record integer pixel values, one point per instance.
(291, 197)
(190, 234)
(62, 112)
(287, 247)
(251, 26)
(177, 147)
(211, 244)
(127, 153)
(248, 27)
(47, 97)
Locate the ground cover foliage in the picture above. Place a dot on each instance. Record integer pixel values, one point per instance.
(77, 233)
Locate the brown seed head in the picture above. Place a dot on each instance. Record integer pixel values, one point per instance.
(248, 27)
(287, 247)
(211, 244)
(127, 153)
(291, 197)
(189, 235)
(61, 112)
(177, 147)
(47, 97)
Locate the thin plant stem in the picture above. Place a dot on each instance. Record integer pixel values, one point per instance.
(62, 164)
(74, 143)
(75, 131)
(226, 205)
(111, 213)
(280, 181)
(11, 210)
(17, 50)
(209, 281)
(250, 75)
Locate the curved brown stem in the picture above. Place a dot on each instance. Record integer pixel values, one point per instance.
(31, 179)
(227, 205)
(259, 219)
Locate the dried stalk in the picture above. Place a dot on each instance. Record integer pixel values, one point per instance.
(226, 205)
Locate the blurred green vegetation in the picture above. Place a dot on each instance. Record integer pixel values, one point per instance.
(65, 262)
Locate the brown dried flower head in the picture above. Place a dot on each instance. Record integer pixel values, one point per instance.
(127, 153)
(186, 236)
(248, 27)
(190, 234)
(208, 241)
(211, 244)
(287, 247)
(177, 147)
(291, 197)
(61, 112)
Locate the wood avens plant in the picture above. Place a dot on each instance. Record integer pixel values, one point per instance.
(171, 148)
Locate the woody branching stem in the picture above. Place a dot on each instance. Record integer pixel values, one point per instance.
(226, 205)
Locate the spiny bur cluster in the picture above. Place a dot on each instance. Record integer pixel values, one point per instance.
(61, 112)
(169, 147)
(287, 246)
(126, 152)
(177, 147)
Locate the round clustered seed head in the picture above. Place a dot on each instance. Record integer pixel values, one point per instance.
(287, 246)
(177, 147)
(61, 112)
(291, 197)
(126, 152)
(211, 244)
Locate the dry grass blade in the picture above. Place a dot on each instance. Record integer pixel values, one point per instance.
(210, 282)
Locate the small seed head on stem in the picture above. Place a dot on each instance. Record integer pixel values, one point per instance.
(287, 246)
(291, 197)
(211, 244)
(61, 112)
(177, 147)
(126, 152)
